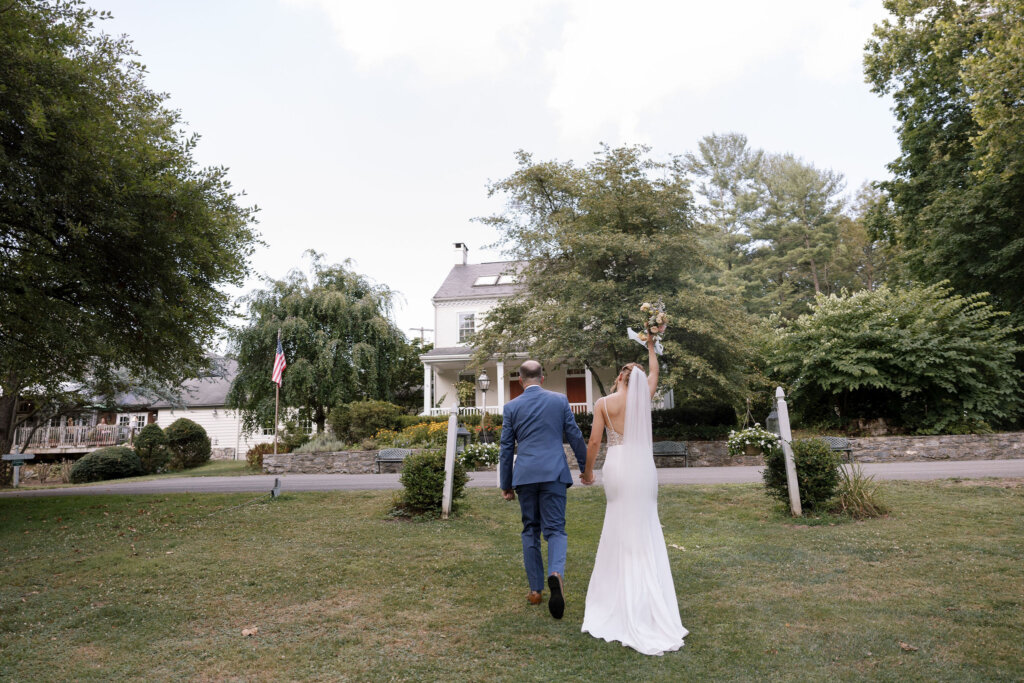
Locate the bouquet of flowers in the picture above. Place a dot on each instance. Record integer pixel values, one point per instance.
(653, 322)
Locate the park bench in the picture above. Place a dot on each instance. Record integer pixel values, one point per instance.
(840, 444)
(673, 448)
(390, 455)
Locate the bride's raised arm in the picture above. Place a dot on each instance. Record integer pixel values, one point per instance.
(652, 365)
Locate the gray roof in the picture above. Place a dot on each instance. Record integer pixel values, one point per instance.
(205, 391)
(459, 283)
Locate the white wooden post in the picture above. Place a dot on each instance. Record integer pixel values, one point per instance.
(589, 379)
(428, 398)
(501, 384)
(787, 450)
(449, 463)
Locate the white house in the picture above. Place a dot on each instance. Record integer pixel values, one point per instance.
(202, 400)
(460, 308)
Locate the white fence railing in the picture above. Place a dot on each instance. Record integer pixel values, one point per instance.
(577, 409)
(76, 436)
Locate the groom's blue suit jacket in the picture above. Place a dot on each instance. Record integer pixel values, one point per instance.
(537, 421)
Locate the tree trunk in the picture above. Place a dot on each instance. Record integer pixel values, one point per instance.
(8, 413)
(814, 269)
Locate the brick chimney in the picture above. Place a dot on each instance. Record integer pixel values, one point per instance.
(461, 254)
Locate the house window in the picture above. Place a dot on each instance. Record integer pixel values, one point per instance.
(467, 326)
(306, 425)
(268, 430)
(485, 280)
(124, 420)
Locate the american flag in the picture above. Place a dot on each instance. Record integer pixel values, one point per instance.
(279, 365)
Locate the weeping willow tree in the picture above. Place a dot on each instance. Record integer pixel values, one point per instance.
(596, 241)
(338, 338)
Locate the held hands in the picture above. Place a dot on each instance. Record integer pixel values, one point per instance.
(587, 478)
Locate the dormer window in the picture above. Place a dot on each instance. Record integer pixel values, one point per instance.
(485, 280)
(467, 326)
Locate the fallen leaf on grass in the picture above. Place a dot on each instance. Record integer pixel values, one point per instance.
(677, 547)
(250, 631)
(907, 647)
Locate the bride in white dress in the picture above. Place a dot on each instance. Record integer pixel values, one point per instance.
(631, 597)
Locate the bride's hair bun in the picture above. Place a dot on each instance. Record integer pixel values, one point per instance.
(628, 370)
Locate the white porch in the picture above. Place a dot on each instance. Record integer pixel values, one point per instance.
(443, 369)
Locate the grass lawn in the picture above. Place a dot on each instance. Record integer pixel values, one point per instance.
(214, 468)
(144, 587)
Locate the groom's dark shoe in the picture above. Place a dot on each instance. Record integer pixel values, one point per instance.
(556, 603)
(533, 598)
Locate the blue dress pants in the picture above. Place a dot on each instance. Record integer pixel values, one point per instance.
(543, 508)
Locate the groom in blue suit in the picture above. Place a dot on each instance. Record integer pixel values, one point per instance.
(533, 427)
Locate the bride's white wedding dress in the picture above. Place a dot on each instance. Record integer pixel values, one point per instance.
(631, 597)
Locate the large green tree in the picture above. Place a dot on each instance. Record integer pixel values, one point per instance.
(924, 358)
(793, 255)
(115, 245)
(955, 71)
(596, 241)
(338, 339)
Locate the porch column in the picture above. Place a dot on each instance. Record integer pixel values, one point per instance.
(428, 399)
(501, 384)
(590, 389)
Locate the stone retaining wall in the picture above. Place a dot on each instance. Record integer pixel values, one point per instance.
(340, 462)
(1005, 446)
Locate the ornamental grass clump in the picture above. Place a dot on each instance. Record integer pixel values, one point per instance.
(755, 436)
(857, 495)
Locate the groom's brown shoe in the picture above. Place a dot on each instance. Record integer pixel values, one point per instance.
(533, 598)
(556, 603)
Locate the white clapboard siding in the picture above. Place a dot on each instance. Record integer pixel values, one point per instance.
(222, 426)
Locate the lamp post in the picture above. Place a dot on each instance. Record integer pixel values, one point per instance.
(484, 382)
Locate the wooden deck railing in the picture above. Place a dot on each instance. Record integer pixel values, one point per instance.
(76, 436)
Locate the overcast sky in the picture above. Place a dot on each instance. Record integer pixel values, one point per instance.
(369, 130)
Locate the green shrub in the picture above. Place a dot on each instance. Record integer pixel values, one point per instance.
(151, 447)
(817, 472)
(480, 455)
(112, 462)
(188, 443)
(254, 456)
(689, 422)
(423, 482)
(362, 419)
(925, 359)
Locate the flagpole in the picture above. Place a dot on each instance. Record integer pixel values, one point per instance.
(277, 398)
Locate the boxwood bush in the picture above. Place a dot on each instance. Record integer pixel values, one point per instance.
(112, 462)
(151, 447)
(817, 473)
(254, 456)
(188, 443)
(423, 482)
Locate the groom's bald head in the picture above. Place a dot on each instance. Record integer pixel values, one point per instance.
(531, 372)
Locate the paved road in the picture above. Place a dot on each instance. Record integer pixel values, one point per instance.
(966, 469)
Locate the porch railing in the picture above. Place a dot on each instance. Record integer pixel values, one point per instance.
(468, 410)
(577, 409)
(76, 436)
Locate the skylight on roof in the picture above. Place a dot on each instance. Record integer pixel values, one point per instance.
(508, 279)
(486, 280)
